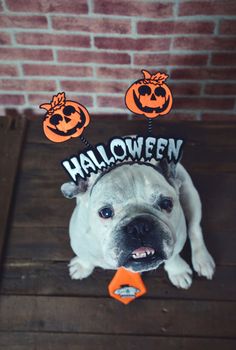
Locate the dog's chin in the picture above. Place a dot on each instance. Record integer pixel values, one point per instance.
(143, 259)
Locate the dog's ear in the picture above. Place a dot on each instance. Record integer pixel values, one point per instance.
(168, 170)
(71, 190)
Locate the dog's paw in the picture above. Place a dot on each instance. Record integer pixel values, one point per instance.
(182, 280)
(179, 273)
(77, 270)
(203, 263)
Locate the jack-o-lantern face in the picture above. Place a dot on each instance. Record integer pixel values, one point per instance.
(149, 96)
(64, 119)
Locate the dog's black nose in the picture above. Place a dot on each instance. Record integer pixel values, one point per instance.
(139, 226)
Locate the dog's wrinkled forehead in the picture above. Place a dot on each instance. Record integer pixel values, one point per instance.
(128, 181)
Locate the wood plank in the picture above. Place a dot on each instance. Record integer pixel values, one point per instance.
(52, 243)
(107, 316)
(102, 128)
(37, 243)
(36, 220)
(47, 278)
(39, 157)
(11, 138)
(46, 183)
(216, 191)
(72, 341)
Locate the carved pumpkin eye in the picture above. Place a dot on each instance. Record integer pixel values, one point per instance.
(144, 90)
(159, 91)
(55, 119)
(68, 110)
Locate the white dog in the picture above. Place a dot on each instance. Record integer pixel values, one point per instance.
(134, 215)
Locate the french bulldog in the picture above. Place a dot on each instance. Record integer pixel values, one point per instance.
(134, 215)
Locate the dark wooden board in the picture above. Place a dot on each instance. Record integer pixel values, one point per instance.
(104, 127)
(42, 308)
(217, 191)
(52, 243)
(46, 183)
(72, 341)
(40, 156)
(40, 243)
(38, 195)
(11, 138)
(107, 316)
(48, 278)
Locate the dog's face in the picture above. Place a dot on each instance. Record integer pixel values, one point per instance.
(131, 214)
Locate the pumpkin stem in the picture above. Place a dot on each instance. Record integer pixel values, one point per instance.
(158, 78)
(59, 99)
(146, 74)
(46, 106)
(57, 102)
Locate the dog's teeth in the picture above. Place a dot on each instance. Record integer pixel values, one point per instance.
(143, 254)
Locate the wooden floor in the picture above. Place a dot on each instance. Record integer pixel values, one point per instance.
(41, 308)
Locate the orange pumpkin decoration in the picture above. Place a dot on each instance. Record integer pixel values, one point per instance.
(64, 119)
(149, 96)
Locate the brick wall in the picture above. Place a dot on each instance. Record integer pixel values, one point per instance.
(94, 49)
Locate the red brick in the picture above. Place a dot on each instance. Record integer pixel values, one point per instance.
(204, 73)
(111, 101)
(224, 59)
(53, 39)
(134, 8)
(200, 103)
(37, 99)
(5, 39)
(176, 27)
(119, 73)
(206, 7)
(12, 99)
(27, 85)
(8, 70)
(204, 43)
(94, 25)
(219, 116)
(94, 86)
(23, 21)
(220, 89)
(187, 89)
(70, 71)
(170, 59)
(61, 6)
(152, 44)
(228, 27)
(94, 57)
(9, 53)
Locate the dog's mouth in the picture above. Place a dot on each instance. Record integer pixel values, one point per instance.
(143, 255)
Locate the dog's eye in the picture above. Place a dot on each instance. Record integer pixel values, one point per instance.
(166, 204)
(106, 213)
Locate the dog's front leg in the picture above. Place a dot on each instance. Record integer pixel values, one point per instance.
(202, 261)
(179, 272)
(79, 269)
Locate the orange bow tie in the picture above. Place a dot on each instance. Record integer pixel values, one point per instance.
(126, 286)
